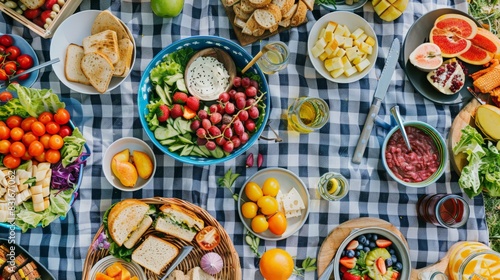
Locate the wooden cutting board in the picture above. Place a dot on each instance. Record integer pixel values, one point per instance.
(465, 117)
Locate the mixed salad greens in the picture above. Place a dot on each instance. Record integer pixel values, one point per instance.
(487, 12)
(483, 170)
(65, 174)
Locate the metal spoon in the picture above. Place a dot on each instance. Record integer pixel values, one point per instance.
(397, 116)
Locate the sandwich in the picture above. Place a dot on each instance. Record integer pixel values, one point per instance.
(128, 220)
(179, 222)
(196, 273)
(155, 254)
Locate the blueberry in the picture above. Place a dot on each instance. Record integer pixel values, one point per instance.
(362, 239)
(372, 245)
(350, 254)
(392, 252)
(366, 249)
(358, 253)
(360, 247)
(374, 237)
(369, 236)
(388, 262)
(398, 266)
(394, 258)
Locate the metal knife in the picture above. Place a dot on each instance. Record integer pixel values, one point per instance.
(183, 254)
(328, 271)
(382, 86)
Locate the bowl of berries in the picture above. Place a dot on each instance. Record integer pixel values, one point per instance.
(372, 253)
(197, 108)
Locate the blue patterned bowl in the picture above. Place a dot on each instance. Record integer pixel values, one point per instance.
(241, 59)
(25, 48)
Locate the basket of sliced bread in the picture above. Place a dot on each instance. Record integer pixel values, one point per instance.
(253, 20)
(152, 232)
(98, 51)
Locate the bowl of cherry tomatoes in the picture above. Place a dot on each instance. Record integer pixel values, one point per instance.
(16, 56)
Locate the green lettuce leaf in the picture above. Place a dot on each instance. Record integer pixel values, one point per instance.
(12, 107)
(28, 216)
(59, 201)
(72, 147)
(37, 101)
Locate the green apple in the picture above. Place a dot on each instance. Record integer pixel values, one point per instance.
(167, 8)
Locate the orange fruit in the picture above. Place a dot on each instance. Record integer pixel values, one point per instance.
(276, 264)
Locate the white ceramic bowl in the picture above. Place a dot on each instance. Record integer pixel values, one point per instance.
(103, 264)
(287, 180)
(73, 30)
(133, 144)
(352, 21)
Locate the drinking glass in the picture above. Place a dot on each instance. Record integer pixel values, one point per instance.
(307, 114)
(274, 59)
(333, 186)
(445, 210)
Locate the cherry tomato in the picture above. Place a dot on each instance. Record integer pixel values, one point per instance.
(259, 223)
(277, 223)
(56, 142)
(4, 146)
(253, 191)
(44, 139)
(249, 209)
(11, 162)
(61, 116)
(208, 238)
(36, 148)
(2, 49)
(268, 205)
(17, 149)
(31, 13)
(28, 138)
(16, 133)
(271, 186)
(22, 77)
(3, 75)
(4, 132)
(13, 52)
(45, 117)
(25, 61)
(52, 127)
(6, 40)
(65, 131)
(52, 156)
(2, 123)
(38, 128)
(5, 96)
(10, 68)
(26, 156)
(41, 158)
(27, 122)
(14, 121)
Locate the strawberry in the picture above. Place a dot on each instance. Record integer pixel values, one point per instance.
(348, 262)
(349, 276)
(383, 243)
(343, 269)
(352, 245)
(395, 275)
(193, 103)
(380, 265)
(176, 111)
(163, 113)
(180, 97)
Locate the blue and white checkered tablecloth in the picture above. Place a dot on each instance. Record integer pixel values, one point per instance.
(63, 245)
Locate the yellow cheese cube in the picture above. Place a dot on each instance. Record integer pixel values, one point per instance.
(362, 37)
(328, 36)
(370, 41)
(323, 56)
(333, 64)
(347, 33)
(349, 71)
(331, 26)
(340, 40)
(336, 73)
(357, 60)
(346, 62)
(348, 42)
(362, 65)
(315, 51)
(332, 55)
(340, 52)
(355, 35)
(339, 30)
(352, 53)
(321, 43)
(322, 33)
(366, 48)
(331, 47)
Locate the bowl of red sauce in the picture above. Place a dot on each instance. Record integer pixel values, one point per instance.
(424, 163)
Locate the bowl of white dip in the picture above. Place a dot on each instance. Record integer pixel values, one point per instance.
(208, 54)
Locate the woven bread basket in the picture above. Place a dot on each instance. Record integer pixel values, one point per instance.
(230, 270)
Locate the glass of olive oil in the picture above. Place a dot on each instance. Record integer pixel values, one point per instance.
(307, 114)
(333, 186)
(274, 59)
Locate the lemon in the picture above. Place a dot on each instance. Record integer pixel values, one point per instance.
(332, 186)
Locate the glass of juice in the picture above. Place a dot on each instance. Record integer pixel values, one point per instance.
(307, 114)
(274, 59)
(445, 210)
(333, 186)
(474, 261)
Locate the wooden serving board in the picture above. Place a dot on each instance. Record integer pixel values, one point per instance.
(441, 265)
(465, 117)
(245, 39)
(336, 237)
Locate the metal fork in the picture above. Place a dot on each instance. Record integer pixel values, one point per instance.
(45, 64)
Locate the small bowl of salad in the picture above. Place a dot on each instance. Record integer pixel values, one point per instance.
(197, 130)
(42, 155)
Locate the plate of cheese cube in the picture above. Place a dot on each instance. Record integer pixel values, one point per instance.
(281, 187)
(342, 47)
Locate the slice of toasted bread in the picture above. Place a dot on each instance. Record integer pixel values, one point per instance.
(239, 13)
(155, 254)
(284, 5)
(33, 4)
(105, 20)
(246, 7)
(122, 67)
(98, 69)
(268, 17)
(252, 28)
(72, 70)
(290, 12)
(300, 14)
(105, 42)
(239, 22)
(229, 3)
(259, 3)
(309, 4)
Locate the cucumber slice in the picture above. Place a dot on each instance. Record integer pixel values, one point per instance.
(168, 142)
(217, 153)
(161, 133)
(181, 85)
(176, 147)
(184, 139)
(188, 149)
(197, 151)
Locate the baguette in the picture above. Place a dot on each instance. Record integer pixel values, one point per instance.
(300, 14)
(252, 28)
(98, 69)
(284, 5)
(229, 3)
(126, 48)
(309, 4)
(259, 3)
(268, 17)
(105, 42)
(72, 70)
(155, 254)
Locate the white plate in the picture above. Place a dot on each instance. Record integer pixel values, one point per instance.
(287, 180)
(352, 21)
(73, 30)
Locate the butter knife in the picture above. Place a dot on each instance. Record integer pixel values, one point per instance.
(382, 86)
(183, 254)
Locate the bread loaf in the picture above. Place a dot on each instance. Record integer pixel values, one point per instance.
(98, 69)
(72, 70)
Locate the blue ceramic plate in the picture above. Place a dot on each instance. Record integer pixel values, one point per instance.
(342, 6)
(241, 59)
(26, 48)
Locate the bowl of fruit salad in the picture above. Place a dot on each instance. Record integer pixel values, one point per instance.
(375, 252)
(216, 123)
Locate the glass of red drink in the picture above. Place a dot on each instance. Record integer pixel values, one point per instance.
(446, 210)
